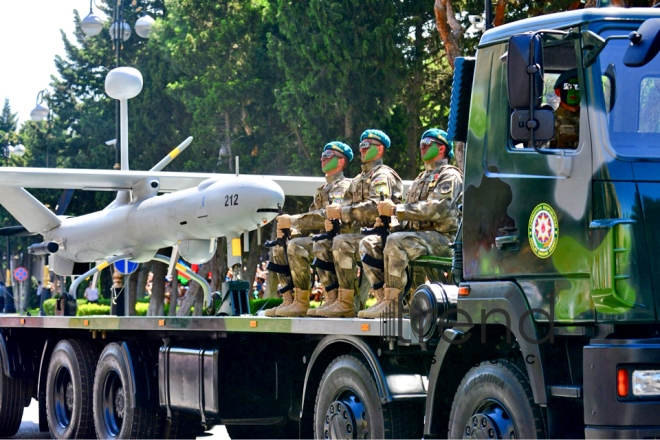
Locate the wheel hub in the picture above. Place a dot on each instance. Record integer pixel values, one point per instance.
(119, 402)
(69, 396)
(491, 420)
(346, 419)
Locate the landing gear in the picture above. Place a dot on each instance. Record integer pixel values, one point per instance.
(68, 389)
(495, 400)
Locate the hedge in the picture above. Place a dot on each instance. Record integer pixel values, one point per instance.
(141, 306)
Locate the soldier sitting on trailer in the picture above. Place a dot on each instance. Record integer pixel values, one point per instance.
(429, 220)
(358, 209)
(335, 158)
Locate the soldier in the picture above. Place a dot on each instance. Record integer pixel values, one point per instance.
(429, 219)
(567, 115)
(337, 261)
(335, 157)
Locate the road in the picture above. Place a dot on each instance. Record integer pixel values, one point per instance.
(30, 426)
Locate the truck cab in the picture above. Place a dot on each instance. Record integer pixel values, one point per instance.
(559, 238)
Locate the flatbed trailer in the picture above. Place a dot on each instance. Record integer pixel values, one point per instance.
(258, 376)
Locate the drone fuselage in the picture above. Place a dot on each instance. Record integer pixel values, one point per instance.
(191, 218)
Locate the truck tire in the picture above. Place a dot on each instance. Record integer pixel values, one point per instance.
(116, 414)
(495, 400)
(347, 401)
(11, 404)
(69, 384)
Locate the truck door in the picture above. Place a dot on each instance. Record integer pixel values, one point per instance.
(526, 214)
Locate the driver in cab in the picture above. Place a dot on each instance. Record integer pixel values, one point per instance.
(567, 115)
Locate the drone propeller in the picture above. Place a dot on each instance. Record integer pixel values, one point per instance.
(64, 201)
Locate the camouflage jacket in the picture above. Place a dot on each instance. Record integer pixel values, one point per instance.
(432, 200)
(314, 220)
(360, 205)
(567, 129)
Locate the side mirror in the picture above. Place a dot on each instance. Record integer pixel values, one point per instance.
(520, 67)
(644, 44)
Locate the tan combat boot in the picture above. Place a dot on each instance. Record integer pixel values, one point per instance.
(343, 307)
(288, 300)
(330, 298)
(299, 306)
(388, 308)
(380, 296)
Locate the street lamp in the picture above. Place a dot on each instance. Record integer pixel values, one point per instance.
(120, 31)
(41, 112)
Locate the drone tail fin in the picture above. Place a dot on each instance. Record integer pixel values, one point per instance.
(29, 211)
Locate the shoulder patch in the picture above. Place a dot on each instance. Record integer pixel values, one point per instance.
(446, 187)
(382, 189)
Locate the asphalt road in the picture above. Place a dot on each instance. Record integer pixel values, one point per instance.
(30, 426)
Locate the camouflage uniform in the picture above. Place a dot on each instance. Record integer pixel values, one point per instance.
(567, 129)
(429, 219)
(299, 249)
(359, 209)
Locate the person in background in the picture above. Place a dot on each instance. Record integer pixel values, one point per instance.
(92, 294)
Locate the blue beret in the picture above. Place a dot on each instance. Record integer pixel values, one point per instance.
(442, 136)
(378, 135)
(341, 147)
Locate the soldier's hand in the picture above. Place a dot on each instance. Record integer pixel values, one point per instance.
(333, 211)
(283, 222)
(280, 233)
(379, 223)
(328, 225)
(386, 207)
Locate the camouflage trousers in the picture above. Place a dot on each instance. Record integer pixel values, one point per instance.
(299, 251)
(343, 252)
(401, 247)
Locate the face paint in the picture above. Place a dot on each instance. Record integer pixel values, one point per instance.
(372, 152)
(334, 163)
(431, 153)
(571, 92)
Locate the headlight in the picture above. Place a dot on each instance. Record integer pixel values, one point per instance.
(428, 304)
(646, 383)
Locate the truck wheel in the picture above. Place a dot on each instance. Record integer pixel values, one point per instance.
(116, 414)
(69, 384)
(495, 401)
(348, 405)
(11, 404)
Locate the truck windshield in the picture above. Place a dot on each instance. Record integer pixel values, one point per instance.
(632, 100)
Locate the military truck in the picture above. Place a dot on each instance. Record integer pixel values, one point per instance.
(545, 323)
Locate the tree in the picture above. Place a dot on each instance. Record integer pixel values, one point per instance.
(8, 120)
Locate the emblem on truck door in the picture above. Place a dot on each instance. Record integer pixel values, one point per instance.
(543, 230)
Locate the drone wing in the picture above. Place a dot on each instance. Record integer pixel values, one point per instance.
(110, 180)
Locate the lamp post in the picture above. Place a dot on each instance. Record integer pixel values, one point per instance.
(6, 151)
(41, 112)
(120, 31)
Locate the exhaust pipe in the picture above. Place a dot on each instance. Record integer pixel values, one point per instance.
(46, 248)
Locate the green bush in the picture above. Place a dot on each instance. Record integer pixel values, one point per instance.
(266, 303)
(49, 307)
(92, 310)
(141, 309)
